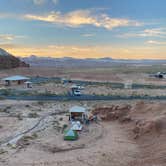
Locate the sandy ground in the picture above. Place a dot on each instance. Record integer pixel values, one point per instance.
(107, 143)
(113, 74)
(99, 141)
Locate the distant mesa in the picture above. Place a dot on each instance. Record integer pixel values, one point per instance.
(67, 61)
(8, 61)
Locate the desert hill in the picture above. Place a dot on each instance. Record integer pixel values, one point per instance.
(8, 61)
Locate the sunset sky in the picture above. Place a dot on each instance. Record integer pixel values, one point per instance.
(127, 29)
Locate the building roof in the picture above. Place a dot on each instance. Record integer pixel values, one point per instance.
(28, 82)
(77, 109)
(15, 78)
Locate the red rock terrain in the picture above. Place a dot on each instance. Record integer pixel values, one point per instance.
(146, 126)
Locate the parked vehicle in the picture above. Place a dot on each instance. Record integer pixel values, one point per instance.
(77, 92)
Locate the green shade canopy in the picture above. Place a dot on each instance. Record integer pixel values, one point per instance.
(70, 135)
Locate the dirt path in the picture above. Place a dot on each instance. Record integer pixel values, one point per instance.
(112, 149)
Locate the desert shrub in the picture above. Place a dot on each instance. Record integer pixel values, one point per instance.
(33, 115)
(19, 117)
(34, 136)
(60, 119)
(6, 110)
(41, 103)
(5, 92)
(64, 127)
(25, 140)
(2, 98)
(24, 93)
(37, 110)
(58, 128)
(2, 151)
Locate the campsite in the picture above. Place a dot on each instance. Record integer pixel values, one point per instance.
(81, 132)
(82, 83)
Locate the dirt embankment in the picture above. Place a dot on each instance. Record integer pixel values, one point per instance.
(146, 126)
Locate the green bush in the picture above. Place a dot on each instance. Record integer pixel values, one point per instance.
(64, 127)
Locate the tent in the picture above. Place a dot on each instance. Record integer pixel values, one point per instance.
(70, 135)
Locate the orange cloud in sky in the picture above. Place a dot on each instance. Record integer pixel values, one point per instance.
(83, 17)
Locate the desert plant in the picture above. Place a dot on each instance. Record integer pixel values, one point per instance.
(41, 103)
(60, 119)
(19, 116)
(2, 151)
(64, 127)
(5, 92)
(33, 115)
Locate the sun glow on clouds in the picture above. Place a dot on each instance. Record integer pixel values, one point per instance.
(83, 17)
(154, 42)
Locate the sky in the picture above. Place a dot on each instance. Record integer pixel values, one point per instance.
(125, 29)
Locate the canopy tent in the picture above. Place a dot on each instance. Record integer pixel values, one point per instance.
(70, 135)
(15, 78)
(77, 112)
(77, 109)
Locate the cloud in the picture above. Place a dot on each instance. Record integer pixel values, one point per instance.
(154, 42)
(6, 37)
(55, 1)
(155, 32)
(6, 15)
(9, 37)
(83, 17)
(39, 2)
(88, 35)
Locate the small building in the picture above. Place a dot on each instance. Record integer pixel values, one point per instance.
(77, 113)
(128, 85)
(28, 84)
(15, 79)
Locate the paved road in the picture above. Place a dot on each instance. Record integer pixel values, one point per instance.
(82, 98)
